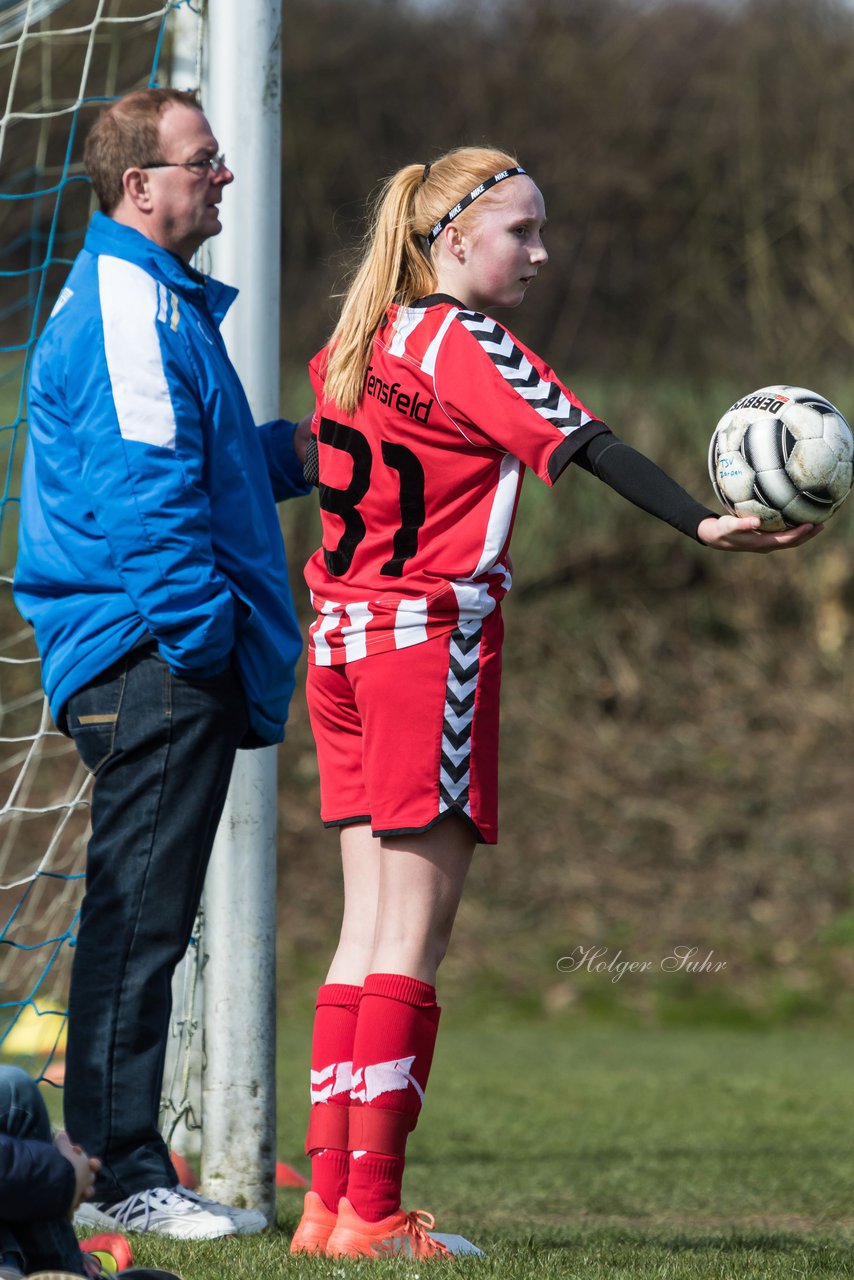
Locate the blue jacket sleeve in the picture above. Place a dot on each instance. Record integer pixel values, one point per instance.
(36, 1181)
(134, 408)
(286, 474)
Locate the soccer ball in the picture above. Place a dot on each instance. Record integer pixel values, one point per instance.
(784, 454)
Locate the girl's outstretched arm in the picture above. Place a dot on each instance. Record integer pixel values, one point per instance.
(636, 477)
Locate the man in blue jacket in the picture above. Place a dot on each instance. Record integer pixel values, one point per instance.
(152, 569)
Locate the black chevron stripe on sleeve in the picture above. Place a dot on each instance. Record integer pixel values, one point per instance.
(546, 397)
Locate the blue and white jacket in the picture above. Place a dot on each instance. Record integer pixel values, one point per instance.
(148, 494)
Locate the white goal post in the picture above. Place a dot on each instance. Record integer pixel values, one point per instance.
(242, 98)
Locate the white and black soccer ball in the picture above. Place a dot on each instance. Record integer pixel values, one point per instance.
(784, 454)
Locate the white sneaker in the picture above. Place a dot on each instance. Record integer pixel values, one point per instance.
(246, 1221)
(163, 1211)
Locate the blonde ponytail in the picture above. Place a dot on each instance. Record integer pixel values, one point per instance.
(392, 259)
(396, 264)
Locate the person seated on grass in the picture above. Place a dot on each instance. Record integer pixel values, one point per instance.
(43, 1180)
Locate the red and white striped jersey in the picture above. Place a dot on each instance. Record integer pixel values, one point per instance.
(419, 488)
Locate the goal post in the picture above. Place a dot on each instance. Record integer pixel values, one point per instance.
(242, 97)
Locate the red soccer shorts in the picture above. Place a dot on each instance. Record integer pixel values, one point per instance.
(406, 736)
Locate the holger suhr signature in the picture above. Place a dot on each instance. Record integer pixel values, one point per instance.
(682, 959)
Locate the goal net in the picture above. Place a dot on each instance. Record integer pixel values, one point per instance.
(60, 60)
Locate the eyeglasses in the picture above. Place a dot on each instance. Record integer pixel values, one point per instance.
(213, 164)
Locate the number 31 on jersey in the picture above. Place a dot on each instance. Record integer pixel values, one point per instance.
(344, 503)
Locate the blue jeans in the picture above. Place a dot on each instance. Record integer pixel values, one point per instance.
(47, 1243)
(161, 747)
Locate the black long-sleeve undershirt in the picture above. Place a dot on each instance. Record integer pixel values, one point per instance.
(638, 478)
(623, 469)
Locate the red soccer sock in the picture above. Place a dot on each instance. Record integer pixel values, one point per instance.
(331, 1076)
(392, 1053)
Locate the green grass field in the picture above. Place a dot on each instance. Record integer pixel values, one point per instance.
(603, 1151)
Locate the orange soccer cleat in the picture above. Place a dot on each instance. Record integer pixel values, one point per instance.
(315, 1226)
(407, 1234)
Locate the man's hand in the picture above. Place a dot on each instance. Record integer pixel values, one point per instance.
(743, 533)
(85, 1167)
(302, 436)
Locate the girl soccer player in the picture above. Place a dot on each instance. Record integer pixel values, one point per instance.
(428, 412)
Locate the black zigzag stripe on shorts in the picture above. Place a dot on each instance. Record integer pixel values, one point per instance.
(515, 368)
(460, 690)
